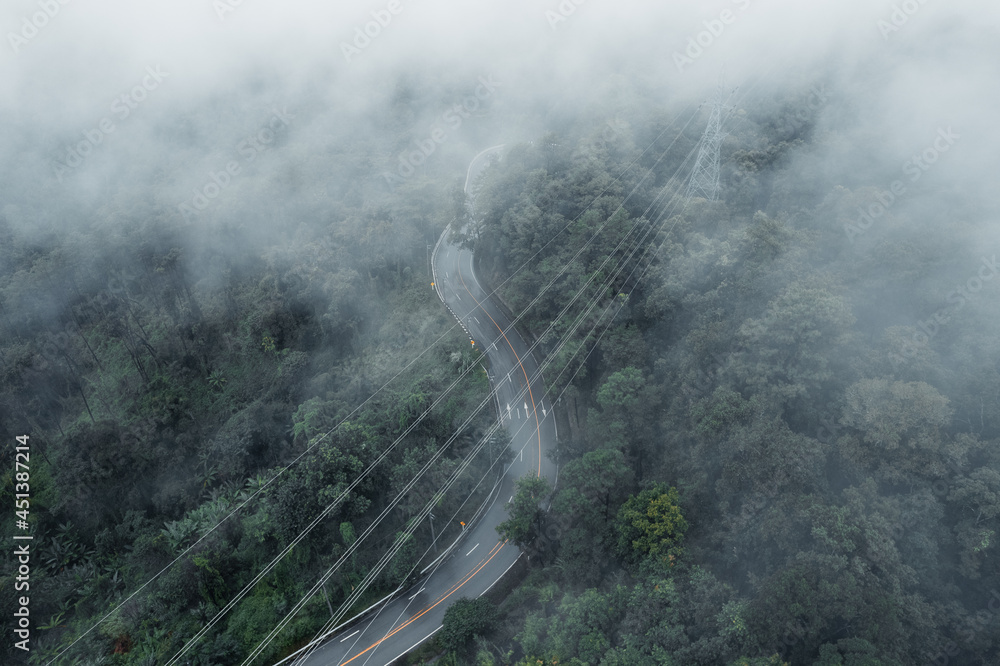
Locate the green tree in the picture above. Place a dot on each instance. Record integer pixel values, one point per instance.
(464, 620)
(593, 485)
(773, 660)
(650, 524)
(626, 421)
(789, 352)
(525, 522)
(583, 625)
(852, 652)
(591, 490)
(896, 429)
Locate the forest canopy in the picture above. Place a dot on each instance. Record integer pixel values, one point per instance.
(778, 401)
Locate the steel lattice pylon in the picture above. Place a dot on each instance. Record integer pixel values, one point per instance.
(705, 175)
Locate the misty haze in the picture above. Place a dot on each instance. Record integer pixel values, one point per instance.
(500, 333)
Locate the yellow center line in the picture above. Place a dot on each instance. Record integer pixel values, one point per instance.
(534, 408)
(497, 548)
(454, 588)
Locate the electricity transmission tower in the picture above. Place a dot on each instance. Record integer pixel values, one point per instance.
(705, 175)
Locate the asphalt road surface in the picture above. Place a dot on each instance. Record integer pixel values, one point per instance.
(479, 559)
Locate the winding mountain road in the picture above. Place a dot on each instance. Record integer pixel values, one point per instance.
(478, 559)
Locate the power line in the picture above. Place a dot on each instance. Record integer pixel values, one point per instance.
(319, 439)
(359, 589)
(315, 643)
(549, 358)
(260, 489)
(385, 454)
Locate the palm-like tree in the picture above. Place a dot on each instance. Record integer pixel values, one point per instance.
(179, 532)
(216, 380)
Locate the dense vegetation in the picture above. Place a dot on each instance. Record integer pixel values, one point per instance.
(765, 460)
(778, 438)
(164, 376)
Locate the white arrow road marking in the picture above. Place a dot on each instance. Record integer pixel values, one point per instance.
(518, 412)
(543, 412)
(473, 548)
(356, 631)
(525, 407)
(508, 411)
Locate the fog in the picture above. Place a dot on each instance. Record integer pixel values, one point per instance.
(225, 68)
(280, 129)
